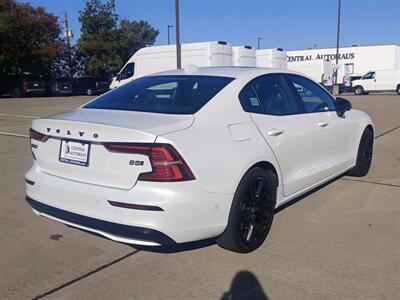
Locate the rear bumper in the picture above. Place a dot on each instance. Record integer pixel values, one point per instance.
(62, 92)
(35, 90)
(188, 213)
(114, 231)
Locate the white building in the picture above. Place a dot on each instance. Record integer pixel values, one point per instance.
(356, 60)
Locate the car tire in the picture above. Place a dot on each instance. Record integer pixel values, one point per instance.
(364, 154)
(358, 90)
(398, 89)
(16, 93)
(251, 213)
(89, 92)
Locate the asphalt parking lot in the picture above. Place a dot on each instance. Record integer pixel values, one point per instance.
(341, 241)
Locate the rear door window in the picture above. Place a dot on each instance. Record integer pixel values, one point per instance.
(269, 95)
(275, 96)
(182, 94)
(249, 100)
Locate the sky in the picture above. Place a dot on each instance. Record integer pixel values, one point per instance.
(288, 24)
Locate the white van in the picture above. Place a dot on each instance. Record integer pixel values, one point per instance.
(244, 56)
(378, 81)
(271, 58)
(163, 58)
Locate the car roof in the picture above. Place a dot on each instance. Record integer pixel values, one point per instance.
(226, 71)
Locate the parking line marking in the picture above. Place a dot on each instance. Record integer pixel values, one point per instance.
(16, 126)
(14, 134)
(85, 275)
(371, 182)
(19, 116)
(382, 134)
(57, 107)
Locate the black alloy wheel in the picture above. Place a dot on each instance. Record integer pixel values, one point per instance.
(252, 211)
(255, 208)
(364, 155)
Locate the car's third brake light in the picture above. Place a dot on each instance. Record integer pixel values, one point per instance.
(167, 164)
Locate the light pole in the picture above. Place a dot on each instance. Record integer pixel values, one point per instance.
(336, 89)
(259, 43)
(169, 26)
(178, 41)
(68, 35)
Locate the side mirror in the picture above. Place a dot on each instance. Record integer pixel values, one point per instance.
(342, 105)
(119, 76)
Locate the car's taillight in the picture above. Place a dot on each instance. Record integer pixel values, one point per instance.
(34, 135)
(167, 164)
(25, 83)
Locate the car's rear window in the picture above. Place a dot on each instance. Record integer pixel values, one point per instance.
(183, 94)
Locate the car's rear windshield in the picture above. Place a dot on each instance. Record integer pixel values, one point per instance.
(183, 94)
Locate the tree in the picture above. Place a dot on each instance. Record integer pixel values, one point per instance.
(135, 35)
(29, 39)
(6, 28)
(104, 44)
(70, 63)
(99, 40)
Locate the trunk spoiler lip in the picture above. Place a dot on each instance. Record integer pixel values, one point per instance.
(43, 128)
(181, 122)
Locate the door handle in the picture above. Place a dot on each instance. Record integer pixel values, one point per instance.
(323, 124)
(275, 132)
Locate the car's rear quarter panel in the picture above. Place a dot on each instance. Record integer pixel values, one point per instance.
(217, 160)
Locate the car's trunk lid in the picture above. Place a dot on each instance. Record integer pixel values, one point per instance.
(81, 133)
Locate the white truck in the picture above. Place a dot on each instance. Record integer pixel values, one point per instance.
(244, 56)
(378, 81)
(247, 56)
(162, 58)
(271, 58)
(322, 71)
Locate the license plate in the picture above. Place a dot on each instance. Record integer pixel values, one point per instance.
(73, 152)
(65, 87)
(36, 84)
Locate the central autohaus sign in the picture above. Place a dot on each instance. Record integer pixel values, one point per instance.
(310, 57)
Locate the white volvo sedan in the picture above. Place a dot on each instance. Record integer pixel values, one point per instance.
(192, 154)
